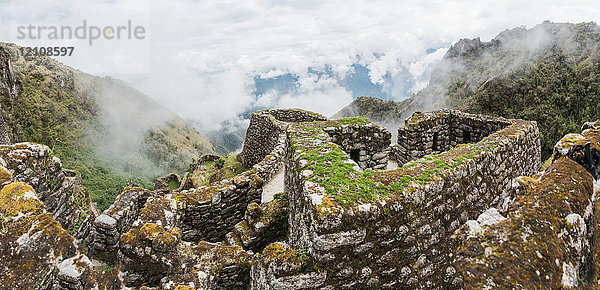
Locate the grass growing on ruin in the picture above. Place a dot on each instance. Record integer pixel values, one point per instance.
(340, 179)
(349, 187)
(353, 120)
(217, 170)
(332, 168)
(440, 164)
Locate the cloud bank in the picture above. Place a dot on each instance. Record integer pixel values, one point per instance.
(202, 59)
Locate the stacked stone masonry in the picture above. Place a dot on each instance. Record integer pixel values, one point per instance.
(439, 131)
(341, 223)
(551, 230)
(148, 246)
(60, 189)
(400, 239)
(263, 224)
(543, 238)
(209, 212)
(39, 248)
(115, 221)
(368, 145)
(267, 130)
(187, 182)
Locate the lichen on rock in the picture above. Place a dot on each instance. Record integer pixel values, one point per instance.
(19, 198)
(542, 241)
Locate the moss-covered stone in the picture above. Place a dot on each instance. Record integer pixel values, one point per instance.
(5, 176)
(209, 266)
(262, 225)
(278, 252)
(151, 234)
(30, 247)
(391, 229)
(19, 197)
(537, 244)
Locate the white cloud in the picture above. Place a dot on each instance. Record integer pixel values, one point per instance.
(318, 94)
(421, 69)
(207, 98)
(201, 55)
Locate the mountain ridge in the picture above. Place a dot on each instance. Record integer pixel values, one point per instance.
(549, 73)
(110, 132)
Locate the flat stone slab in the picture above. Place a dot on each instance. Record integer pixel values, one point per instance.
(274, 186)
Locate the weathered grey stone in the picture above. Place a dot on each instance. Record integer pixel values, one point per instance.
(459, 194)
(330, 241)
(475, 228)
(70, 271)
(105, 221)
(564, 189)
(380, 155)
(489, 217)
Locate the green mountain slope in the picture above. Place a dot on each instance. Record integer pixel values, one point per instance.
(111, 133)
(377, 110)
(385, 113)
(549, 73)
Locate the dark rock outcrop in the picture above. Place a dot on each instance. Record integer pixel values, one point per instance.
(9, 87)
(35, 249)
(544, 240)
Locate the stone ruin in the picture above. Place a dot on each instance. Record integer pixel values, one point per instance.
(466, 208)
(391, 229)
(44, 215)
(548, 236)
(439, 131)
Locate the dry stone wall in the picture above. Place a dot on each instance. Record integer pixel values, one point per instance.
(152, 253)
(115, 221)
(186, 182)
(38, 248)
(542, 241)
(262, 225)
(211, 266)
(400, 237)
(367, 144)
(266, 130)
(209, 213)
(549, 236)
(206, 213)
(142, 234)
(60, 189)
(467, 209)
(282, 267)
(439, 131)
(349, 225)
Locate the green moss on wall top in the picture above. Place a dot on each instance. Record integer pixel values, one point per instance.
(330, 167)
